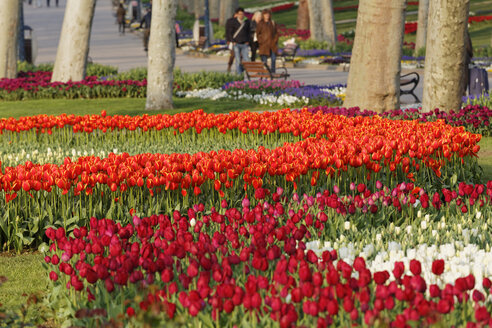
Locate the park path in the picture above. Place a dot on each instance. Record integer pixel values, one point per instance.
(126, 52)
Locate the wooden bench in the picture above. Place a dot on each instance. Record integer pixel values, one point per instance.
(289, 51)
(411, 79)
(262, 71)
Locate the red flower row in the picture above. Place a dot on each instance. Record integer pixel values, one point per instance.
(369, 142)
(411, 27)
(253, 261)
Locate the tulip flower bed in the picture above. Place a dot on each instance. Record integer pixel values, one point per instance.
(296, 150)
(37, 85)
(475, 118)
(260, 262)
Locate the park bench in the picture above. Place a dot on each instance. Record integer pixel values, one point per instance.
(288, 53)
(262, 71)
(412, 79)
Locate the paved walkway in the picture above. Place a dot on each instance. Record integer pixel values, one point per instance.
(126, 51)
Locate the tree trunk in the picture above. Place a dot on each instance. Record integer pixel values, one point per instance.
(328, 19)
(422, 25)
(227, 9)
(214, 9)
(445, 55)
(322, 21)
(162, 54)
(198, 8)
(374, 77)
(315, 20)
(73, 48)
(9, 20)
(303, 15)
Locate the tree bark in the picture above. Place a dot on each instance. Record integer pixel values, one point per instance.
(9, 20)
(227, 9)
(422, 25)
(198, 8)
(303, 15)
(73, 48)
(315, 20)
(374, 76)
(445, 55)
(328, 19)
(214, 9)
(322, 21)
(162, 54)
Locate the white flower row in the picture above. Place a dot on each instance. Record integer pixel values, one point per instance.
(466, 251)
(263, 98)
(339, 91)
(49, 156)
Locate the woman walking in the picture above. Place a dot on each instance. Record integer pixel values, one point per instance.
(120, 15)
(253, 38)
(267, 35)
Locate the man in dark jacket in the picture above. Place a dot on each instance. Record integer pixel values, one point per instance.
(238, 32)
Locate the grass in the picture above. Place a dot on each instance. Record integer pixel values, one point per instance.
(25, 276)
(120, 106)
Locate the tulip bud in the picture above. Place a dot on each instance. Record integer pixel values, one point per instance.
(347, 225)
(192, 222)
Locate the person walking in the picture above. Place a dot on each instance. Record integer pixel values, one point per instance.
(229, 27)
(56, 3)
(253, 42)
(240, 38)
(48, 3)
(120, 16)
(145, 23)
(267, 34)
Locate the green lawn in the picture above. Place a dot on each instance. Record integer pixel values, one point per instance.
(25, 277)
(120, 106)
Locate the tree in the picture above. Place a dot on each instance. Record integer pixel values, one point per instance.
(227, 9)
(9, 20)
(374, 76)
(322, 21)
(214, 8)
(422, 25)
(303, 15)
(73, 48)
(445, 55)
(162, 54)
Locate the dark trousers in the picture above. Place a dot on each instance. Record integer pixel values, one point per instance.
(254, 48)
(146, 38)
(231, 61)
(47, 3)
(121, 27)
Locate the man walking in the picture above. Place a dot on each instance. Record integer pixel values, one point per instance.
(239, 36)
